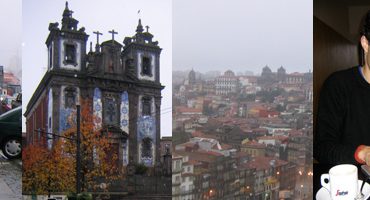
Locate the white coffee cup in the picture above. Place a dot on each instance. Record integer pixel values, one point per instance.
(342, 182)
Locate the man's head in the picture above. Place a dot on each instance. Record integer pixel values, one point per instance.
(365, 38)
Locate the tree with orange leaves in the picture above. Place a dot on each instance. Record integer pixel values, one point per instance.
(55, 170)
(46, 170)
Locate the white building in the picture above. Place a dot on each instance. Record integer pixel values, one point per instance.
(226, 84)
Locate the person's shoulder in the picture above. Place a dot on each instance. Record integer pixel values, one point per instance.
(341, 80)
(342, 76)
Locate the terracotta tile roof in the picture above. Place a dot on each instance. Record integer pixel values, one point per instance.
(259, 130)
(254, 144)
(277, 137)
(10, 78)
(197, 134)
(263, 163)
(191, 162)
(188, 110)
(212, 153)
(226, 146)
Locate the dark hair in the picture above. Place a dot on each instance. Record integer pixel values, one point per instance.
(366, 27)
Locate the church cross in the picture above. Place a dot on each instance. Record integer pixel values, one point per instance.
(97, 36)
(147, 28)
(113, 32)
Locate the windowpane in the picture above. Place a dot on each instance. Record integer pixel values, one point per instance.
(146, 67)
(70, 54)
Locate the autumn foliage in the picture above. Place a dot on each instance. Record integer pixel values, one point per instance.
(54, 170)
(47, 170)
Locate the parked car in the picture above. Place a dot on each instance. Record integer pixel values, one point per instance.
(11, 133)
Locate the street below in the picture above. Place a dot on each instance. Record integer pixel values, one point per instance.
(10, 178)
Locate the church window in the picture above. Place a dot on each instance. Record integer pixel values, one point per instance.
(146, 148)
(146, 67)
(110, 111)
(146, 103)
(70, 54)
(69, 97)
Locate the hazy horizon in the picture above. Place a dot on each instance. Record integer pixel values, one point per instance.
(200, 70)
(242, 35)
(11, 48)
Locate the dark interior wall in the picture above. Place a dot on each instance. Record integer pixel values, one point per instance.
(334, 15)
(332, 52)
(342, 15)
(356, 16)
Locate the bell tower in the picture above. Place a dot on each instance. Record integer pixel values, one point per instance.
(66, 45)
(141, 55)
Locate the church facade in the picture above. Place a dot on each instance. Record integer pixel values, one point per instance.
(121, 82)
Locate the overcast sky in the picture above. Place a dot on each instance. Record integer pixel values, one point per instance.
(242, 35)
(120, 15)
(11, 36)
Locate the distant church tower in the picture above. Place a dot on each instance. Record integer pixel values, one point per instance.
(191, 77)
(281, 74)
(120, 80)
(266, 72)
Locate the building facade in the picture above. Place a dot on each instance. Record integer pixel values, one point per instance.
(120, 81)
(227, 84)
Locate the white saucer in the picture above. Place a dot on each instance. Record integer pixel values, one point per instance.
(323, 193)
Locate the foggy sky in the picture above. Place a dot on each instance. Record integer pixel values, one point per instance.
(10, 36)
(242, 35)
(120, 15)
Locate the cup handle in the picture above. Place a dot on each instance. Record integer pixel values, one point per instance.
(325, 185)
